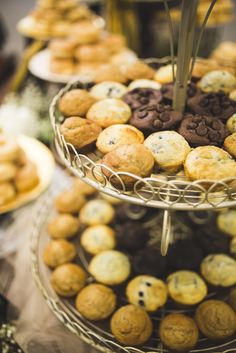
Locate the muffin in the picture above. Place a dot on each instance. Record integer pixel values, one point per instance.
(131, 326)
(148, 292)
(62, 66)
(58, 252)
(109, 72)
(69, 201)
(230, 143)
(96, 302)
(219, 270)
(98, 238)
(144, 83)
(92, 53)
(186, 287)
(110, 267)
(85, 33)
(83, 188)
(108, 89)
(218, 81)
(226, 221)
(26, 178)
(117, 135)
(7, 193)
(76, 102)
(135, 159)
(63, 226)
(62, 48)
(80, 132)
(178, 332)
(96, 212)
(68, 279)
(215, 319)
(137, 70)
(108, 112)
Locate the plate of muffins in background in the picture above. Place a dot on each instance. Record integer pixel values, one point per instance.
(102, 264)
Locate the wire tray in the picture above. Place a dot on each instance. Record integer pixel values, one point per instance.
(160, 190)
(98, 335)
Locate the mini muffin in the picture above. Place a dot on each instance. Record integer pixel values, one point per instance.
(117, 135)
(108, 89)
(9, 149)
(148, 292)
(68, 279)
(108, 112)
(92, 53)
(58, 252)
(110, 267)
(98, 238)
(232, 299)
(144, 83)
(114, 42)
(218, 81)
(97, 212)
(226, 221)
(231, 124)
(215, 319)
(186, 287)
(63, 226)
(7, 171)
(131, 326)
(126, 55)
(168, 148)
(178, 332)
(219, 270)
(26, 177)
(85, 32)
(62, 66)
(138, 70)
(96, 302)
(80, 132)
(109, 72)
(209, 162)
(7, 193)
(76, 102)
(164, 74)
(134, 158)
(230, 144)
(69, 201)
(62, 48)
(82, 187)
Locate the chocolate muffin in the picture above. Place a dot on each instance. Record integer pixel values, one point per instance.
(149, 261)
(131, 236)
(167, 91)
(142, 96)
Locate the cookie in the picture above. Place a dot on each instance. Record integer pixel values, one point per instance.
(148, 292)
(230, 144)
(165, 74)
(218, 105)
(117, 135)
(131, 236)
(215, 319)
(137, 70)
(231, 124)
(96, 212)
(186, 287)
(98, 238)
(202, 130)
(178, 332)
(108, 89)
(80, 132)
(59, 252)
(226, 221)
(139, 97)
(209, 162)
(110, 267)
(155, 117)
(68, 279)
(63, 226)
(149, 260)
(169, 149)
(109, 72)
(144, 83)
(96, 302)
(135, 159)
(219, 270)
(69, 201)
(218, 81)
(108, 112)
(76, 102)
(131, 325)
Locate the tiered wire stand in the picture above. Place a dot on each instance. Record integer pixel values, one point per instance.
(167, 192)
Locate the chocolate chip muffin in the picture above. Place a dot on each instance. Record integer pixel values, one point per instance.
(216, 320)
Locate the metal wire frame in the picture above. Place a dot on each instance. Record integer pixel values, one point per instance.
(96, 336)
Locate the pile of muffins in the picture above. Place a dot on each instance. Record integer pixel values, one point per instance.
(86, 49)
(123, 264)
(127, 113)
(54, 18)
(17, 174)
